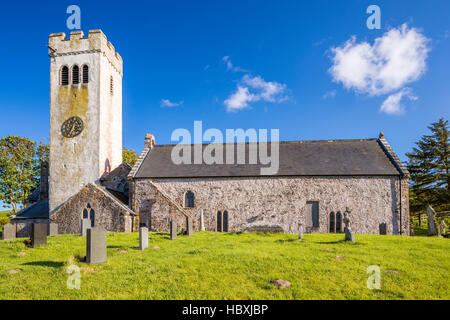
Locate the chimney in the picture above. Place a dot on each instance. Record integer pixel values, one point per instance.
(149, 141)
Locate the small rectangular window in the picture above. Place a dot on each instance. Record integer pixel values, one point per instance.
(312, 214)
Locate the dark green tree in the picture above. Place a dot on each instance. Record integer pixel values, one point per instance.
(429, 165)
(20, 160)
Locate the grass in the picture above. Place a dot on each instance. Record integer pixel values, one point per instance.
(230, 266)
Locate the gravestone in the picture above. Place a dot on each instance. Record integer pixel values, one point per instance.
(9, 232)
(433, 227)
(189, 227)
(300, 231)
(143, 238)
(96, 246)
(52, 229)
(347, 229)
(443, 227)
(383, 228)
(38, 234)
(173, 230)
(202, 221)
(85, 225)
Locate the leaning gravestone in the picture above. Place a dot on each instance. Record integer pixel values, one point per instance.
(9, 232)
(433, 227)
(189, 227)
(96, 246)
(173, 229)
(143, 238)
(52, 229)
(85, 225)
(38, 234)
(443, 227)
(347, 229)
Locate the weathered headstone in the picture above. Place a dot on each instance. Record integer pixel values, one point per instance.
(347, 229)
(383, 228)
(9, 232)
(433, 227)
(52, 229)
(202, 221)
(189, 227)
(143, 238)
(300, 231)
(38, 234)
(443, 227)
(173, 230)
(85, 225)
(96, 246)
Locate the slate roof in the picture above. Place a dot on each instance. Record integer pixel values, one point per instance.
(38, 210)
(364, 157)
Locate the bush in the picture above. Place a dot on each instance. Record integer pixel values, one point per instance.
(4, 220)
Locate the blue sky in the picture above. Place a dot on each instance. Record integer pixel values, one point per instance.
(180, 51)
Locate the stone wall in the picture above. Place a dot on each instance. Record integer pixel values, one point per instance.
(281, 201)
(110, 214)
(155, 211)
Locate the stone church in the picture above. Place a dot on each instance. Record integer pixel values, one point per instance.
(316, 183)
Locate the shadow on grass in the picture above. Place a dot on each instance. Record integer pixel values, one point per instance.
(340, 242)
(51, 264)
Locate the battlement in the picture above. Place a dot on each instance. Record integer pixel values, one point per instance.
(78, 44)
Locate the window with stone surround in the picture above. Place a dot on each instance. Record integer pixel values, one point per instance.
(225, 221)
(85, 74)
(312, 214)
(75, 74)
(189, 199)
(339, 222)
(64, 76)
(219, 222)
(332, 223)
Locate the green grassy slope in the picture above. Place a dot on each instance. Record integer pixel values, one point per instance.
(230, 266)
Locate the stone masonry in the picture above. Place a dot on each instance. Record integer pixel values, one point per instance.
(280, 201)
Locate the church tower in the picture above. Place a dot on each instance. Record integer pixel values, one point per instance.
(85, 112)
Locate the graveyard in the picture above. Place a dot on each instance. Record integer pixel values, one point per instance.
(210, 265)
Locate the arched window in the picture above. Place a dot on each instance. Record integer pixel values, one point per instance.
(64, 76)
(85, 214)
(332, 223)
(111, 86)
(219, 221)
(75, 74)
(189, 200)
(92, 218)
(85, 74)
(225, 221)
(338, 222)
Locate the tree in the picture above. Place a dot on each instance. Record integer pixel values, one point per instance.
(129, 156)
(20, 160)
(429, 165)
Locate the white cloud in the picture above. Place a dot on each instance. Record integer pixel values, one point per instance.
(168, 103)
(393, 105)
(394, 60)
(329, 94)
(252, 89)
(230, 65)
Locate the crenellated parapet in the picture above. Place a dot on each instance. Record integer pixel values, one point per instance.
(96, 42)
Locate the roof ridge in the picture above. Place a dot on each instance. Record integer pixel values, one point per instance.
(281, 142)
